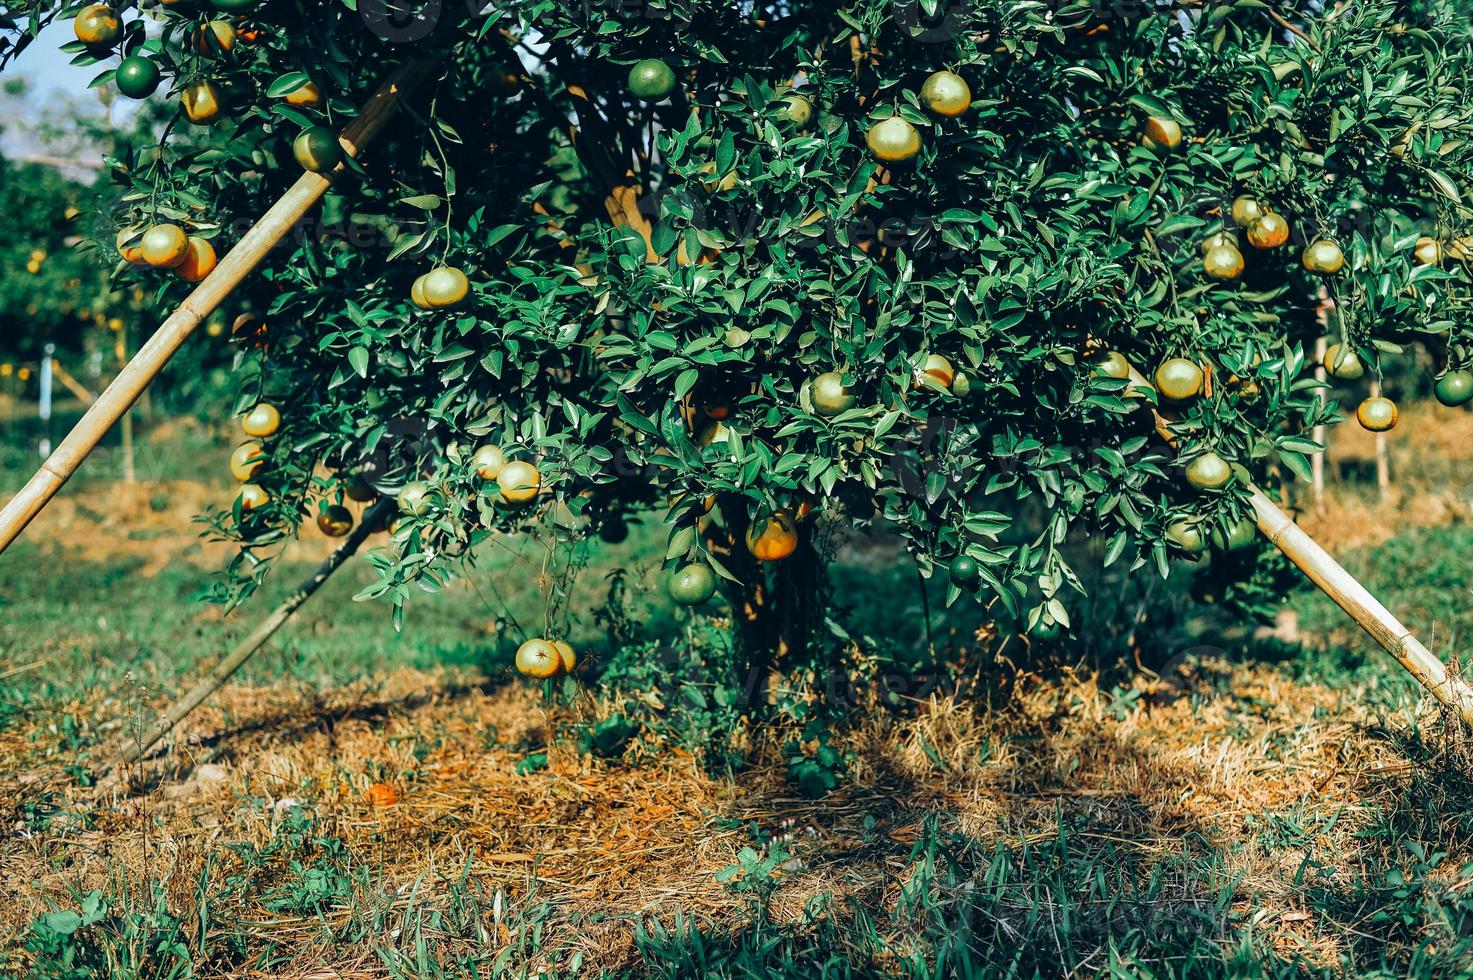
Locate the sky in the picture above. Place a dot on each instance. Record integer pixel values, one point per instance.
(55, 86)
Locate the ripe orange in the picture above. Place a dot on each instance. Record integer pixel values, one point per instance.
(1342, 362)
(1378, 414)
(893, 140)
(1111, 364)
(1322, 257)
(202, 103)
(261, 421)
(445, 286)
(417, 294)
(247, 461)
(164, 246)
(1268, 230)
(1179, 379)
(98, 26)
(129, 246)
(1161, 132)
(519, 482)
(947, 94)
(308, 95)
(1246, 210)
(1223, 263)
(253, 496)
(199, 260)
(1428, 251)
(213, 37)
(1217, 238)
(335, 521)
(489, 461)
(829, 394)
(538, 658)
(774, 538)
(936, 372)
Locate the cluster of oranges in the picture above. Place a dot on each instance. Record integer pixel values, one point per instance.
(261, 422)
(137, 76)
(167, 246)
(1265, 229)
(517, 481)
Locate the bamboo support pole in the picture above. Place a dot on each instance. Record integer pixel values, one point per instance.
(1383, 457)
(1332, 579)
(239, 262)
(373, 518)
(1320, 433)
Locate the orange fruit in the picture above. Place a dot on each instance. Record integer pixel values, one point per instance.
(1161, 132)
(414, 499)
(1428, 251)
(1322, 257)
(98, 26)
(1378, 414)
(519, 482)
(1179, 379)
(567, 656)
(538, 658)
(213, 37)
(935, 372)
(164, 246)
(1223, 263)
(1246, 210)
(201, 102)
(308, 95)
(261, 421)
(253, 496)
(947, 94)
(1268, 230)
(773, 539)
(199, 260)
(489, 461)
(444, 287)
(829, 394)
(335, 521)
(247, 461)
(893, 140)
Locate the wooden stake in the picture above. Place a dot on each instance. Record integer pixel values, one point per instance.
(1324, 571)
(373, 518)
(239, 262)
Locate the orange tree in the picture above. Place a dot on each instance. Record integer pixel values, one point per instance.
(768, 271)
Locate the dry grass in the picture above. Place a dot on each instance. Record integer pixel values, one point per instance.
(1200, 763)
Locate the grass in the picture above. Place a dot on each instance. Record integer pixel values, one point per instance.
(1280, 808)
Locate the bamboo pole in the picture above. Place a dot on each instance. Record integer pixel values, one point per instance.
(1332, 579)
(239, 262)
(1383, 458)
(373, 518)
(1320, 433)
